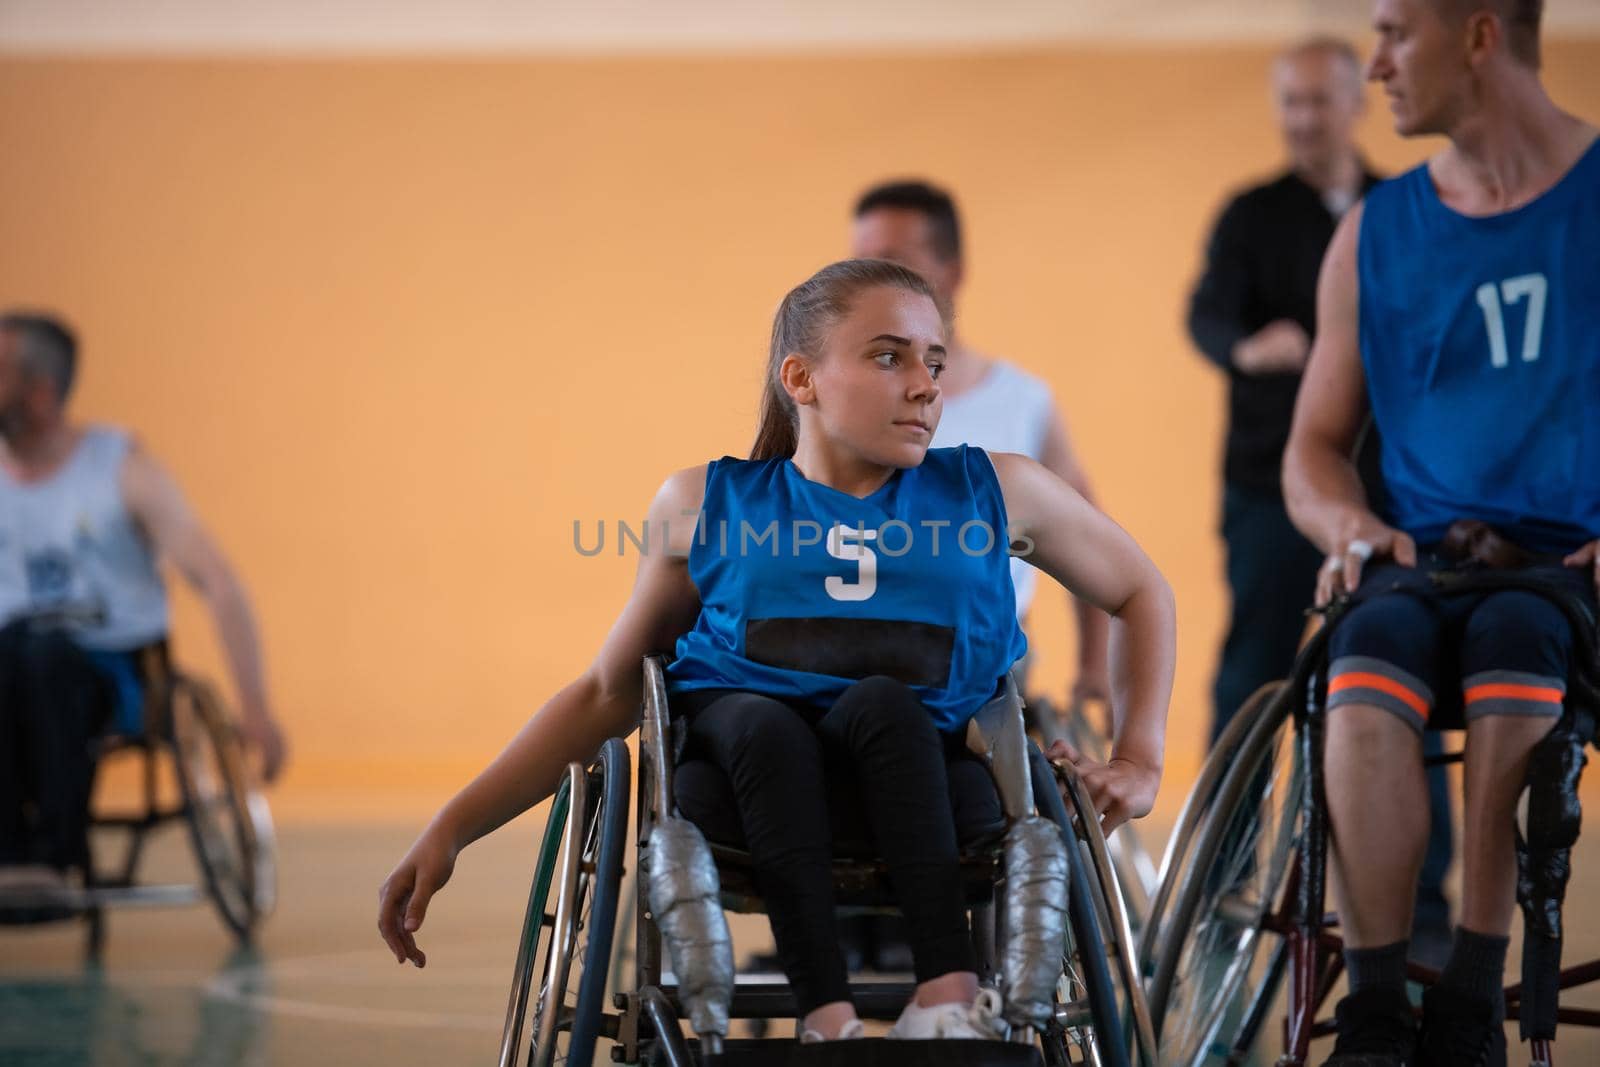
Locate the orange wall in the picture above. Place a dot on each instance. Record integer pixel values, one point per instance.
(397, 323)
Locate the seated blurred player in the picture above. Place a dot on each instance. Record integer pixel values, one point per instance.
(1461, 304)
(85, 516)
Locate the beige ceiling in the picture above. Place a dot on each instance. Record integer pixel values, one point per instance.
(513, 26)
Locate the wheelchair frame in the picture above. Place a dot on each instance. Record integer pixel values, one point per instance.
(229, 823)
(1094, 1020)
(1290, 902)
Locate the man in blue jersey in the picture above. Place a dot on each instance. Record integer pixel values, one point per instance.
(1461, 305)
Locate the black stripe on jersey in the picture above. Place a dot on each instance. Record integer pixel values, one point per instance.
(916, 653)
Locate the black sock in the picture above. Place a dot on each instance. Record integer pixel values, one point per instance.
(1383, 967)
(1477, 965)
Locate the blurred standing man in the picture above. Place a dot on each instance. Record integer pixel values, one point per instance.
(85, 515)
(1253, 314)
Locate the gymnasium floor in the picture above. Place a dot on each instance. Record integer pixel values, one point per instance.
(321, 989)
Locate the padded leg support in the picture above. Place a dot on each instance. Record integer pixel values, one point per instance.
(1035, 920)
(684, 895)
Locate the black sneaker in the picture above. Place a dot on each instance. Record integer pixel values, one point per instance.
(1376, 1029)
(1459, 1030)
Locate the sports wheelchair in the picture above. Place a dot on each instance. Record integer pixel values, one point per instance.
(191, 769)
(1093, 1009)
(1242, 899)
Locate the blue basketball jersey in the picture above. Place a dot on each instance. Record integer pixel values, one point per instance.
(1481, 343)
(805, 590)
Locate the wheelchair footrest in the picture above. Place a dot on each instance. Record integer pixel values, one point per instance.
(875, 1052)
(881, 999)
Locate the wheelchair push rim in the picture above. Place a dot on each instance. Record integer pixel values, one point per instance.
(1087, 1017)
(1138, 1034)
(1137, 876)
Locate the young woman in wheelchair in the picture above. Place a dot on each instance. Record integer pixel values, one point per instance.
(874, 620)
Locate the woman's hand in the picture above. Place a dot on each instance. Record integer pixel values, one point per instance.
(403, 898)
(1119, 790)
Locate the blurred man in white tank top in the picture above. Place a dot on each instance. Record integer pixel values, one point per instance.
(987, 402)
(85, 516)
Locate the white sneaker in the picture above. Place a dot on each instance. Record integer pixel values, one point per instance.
(848, 1032)
(980, 1020)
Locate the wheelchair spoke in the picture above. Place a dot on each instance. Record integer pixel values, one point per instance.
(1073, 1015)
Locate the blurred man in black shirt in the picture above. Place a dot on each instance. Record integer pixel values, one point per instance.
(1253, 314)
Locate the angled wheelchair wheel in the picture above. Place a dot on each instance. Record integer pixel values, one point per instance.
(229, 822)
(1137, 876)
(1196, 808)
(1087, 1027)
(1221, 959)
(568, 928)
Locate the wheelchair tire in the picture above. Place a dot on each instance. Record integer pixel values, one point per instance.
(1086, 971)
(1204, 1005)
(1137, 877)
(579, 870)
(1138, 1033)
(1137, 874)
(596, 955)
(228, 819)
(1196, 807)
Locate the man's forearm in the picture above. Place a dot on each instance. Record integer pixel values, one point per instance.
(236, 629)
(1323, 491)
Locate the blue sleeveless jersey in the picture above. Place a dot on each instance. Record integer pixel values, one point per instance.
(805, 590)
(1481, 343)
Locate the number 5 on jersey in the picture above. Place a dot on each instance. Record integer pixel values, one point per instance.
(1494, 298)
(848, 542)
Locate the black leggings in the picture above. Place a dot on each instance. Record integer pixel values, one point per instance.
(53, 703)
(774, 755)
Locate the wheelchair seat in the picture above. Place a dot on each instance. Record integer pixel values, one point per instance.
(189, 769)
(705, 797)
(1223, 945)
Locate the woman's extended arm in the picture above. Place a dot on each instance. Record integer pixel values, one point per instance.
(1078, 546)
(603, 702)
